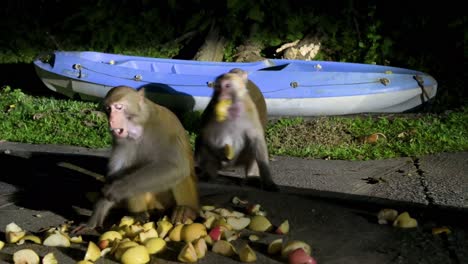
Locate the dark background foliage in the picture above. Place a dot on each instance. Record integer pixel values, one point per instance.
(424, 36)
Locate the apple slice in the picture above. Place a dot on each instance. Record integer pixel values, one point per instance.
(224, 248)
(275, 246)
(299, 256)
(200, 247)
(188, 253)
(238, 223)
(49, 258)
(25, 256)
(2, 244)
(260, 223)
(76, 239)
(215, 233)
(147, 226)
(175, 234)
(155, 245)
(252, 209)
(208, 207)
(93, 252)
(283, 229)
(192, 232)
(143, 236)
(135, 255)
(246, 254)
(164, 226)
(127, 221)
(14, 233)
(57, 239)
(209, 221)
(386, 216)
(404, 220)
(32, 238)
(293, 245)
(122, 247)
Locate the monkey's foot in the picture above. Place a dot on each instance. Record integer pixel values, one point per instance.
(183, 215)
(82, 229)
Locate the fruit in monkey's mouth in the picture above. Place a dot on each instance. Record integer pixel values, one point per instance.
(221, 109)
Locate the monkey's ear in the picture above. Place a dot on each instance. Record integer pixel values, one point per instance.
(141, 93)
(241, 73)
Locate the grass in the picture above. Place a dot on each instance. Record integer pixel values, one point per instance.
(40, 120)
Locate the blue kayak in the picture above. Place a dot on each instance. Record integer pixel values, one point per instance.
(290, 87)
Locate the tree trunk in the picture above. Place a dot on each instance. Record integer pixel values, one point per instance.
(305, 49)
(213, 48)
(251, 49)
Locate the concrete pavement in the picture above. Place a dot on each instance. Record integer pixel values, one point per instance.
(330, 204)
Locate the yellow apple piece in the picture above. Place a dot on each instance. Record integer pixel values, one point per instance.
(224, 248)
(252, 209)
(147, 226)
(49, 258)
(93, 252)
(293, 245)
(57, 239)
(283, 229)
(76, 239)
(404, 220)
(228, 213)
(275, 246)
(238, 223)
(25, 256)
(441, 230)
(105, 251)
(127, 221)
(122, 247)
(164, 226)
(111, 236)
(221, 109)
(192, 232)
(260, 223)
(254, 238)
(208, 223)
(230, 235)
(208, 240)
(299, 256)
(188, 254)
(32, 238)
(14, 233)
(208, 207)
(175, 233)
(246, 254)
(135, 255)
(386, 216)
(2, 244)
(84, 262)
(151, 233)
(200, 247)
(155, 245)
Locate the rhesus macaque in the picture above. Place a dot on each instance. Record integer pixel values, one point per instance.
(151, 165)
(232, 131)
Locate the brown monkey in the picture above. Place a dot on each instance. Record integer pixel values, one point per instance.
(151, 164)
(232, 132)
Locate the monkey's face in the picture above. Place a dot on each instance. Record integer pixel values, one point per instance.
(230, 86)
(124, 112)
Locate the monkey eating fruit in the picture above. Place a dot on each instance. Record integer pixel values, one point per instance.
(151, 164)
(232, 131)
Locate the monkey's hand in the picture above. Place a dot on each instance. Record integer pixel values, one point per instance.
(183, 214)
(101, 209)
(117, 190)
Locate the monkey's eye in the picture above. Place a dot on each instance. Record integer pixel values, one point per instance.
(118, 106)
